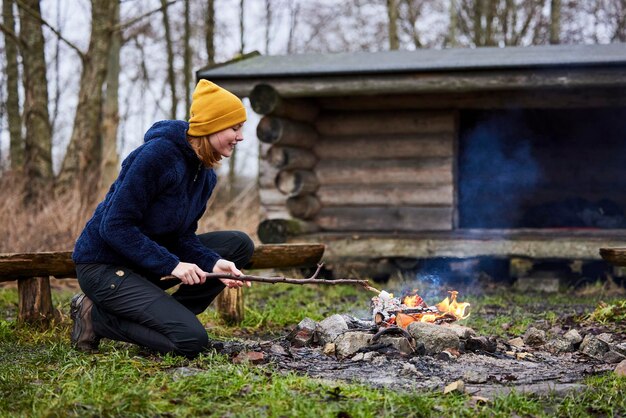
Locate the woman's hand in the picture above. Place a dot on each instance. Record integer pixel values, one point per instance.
(225, 266)
(189, 273)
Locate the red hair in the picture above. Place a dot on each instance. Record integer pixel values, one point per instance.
(204, 150)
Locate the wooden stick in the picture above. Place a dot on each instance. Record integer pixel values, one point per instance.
(280, 279)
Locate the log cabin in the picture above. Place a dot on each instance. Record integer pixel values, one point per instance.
(399, 156)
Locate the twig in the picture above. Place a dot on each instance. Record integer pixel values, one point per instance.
(280, 279)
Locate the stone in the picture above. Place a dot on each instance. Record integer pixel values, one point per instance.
(253, 357)
(457, 386)
(307, 323)
(329, 349)
(348, 343)
(561, 345)
(446, 356)
(534, 337)
(409, 369)
(278, 349)
(517, 342)
(613, 357)
(330, 328)
(542, 324)
(370, 355)
(460, 330)
(488, 345)
(620, 369)
(574, 336)
(472, 376)
(620, 348)
(399, 343)
(358, 357)
(302, 338)
(434, 337)
(607, 338)
(593, 347)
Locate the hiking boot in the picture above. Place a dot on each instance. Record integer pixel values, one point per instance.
(83, 335)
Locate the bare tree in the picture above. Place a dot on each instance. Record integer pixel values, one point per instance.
(38, 141)
(555, 21)
(269, 15)
(242, 29)
(209, 32)
(81, 164)
(392, 14)
(110, 119)
(187, 58)
(14, 117)
(171, 78)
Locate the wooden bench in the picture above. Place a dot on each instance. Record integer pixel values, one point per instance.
(33, 272)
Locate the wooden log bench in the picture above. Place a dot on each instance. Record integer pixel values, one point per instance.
(33, 271)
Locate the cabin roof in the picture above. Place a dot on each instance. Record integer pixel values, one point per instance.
(422, 60)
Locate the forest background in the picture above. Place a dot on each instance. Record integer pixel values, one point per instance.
(83, 79)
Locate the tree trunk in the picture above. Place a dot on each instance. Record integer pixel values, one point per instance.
(187, 59)
(454, 22)
(38, 141)
(242, 43)
(111, 118)
(555, 21)
(210, 32)
(268, 24)
(392, 13)
(171, 78)
(81, 165)
(14, 118)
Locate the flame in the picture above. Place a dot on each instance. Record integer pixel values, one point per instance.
(449, 310)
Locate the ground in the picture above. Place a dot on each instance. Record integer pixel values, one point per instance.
(40, 375)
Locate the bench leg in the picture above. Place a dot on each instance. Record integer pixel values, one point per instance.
(229, 305)
(35, 301)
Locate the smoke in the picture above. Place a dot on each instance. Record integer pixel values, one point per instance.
(496, 170)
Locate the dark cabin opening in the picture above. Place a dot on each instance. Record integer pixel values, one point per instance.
(542, 168)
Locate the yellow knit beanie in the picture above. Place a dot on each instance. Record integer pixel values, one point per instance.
(213, 109)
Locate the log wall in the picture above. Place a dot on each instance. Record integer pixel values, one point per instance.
(353, 170)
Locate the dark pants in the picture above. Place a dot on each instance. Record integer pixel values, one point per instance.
(134, 307)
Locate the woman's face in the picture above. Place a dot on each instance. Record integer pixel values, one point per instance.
(224, 142)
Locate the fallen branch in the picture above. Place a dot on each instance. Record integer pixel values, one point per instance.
(280, 279)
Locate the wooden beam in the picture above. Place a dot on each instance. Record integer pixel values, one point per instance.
(60, 264)
(304, 206)
(296, 183)
(399, 218)
(291, 158)
(274, 130)
(389, 194)
(265, 100)
(366, 146)
(386, 123)
(35, 301)
(280, 230)
(398, 171)
(435, 82)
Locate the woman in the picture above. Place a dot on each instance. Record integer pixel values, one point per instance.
(146, 228)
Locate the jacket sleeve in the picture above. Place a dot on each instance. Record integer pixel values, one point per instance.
(191, 250)
(148, 175)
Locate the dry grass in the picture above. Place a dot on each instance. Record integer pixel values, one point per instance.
(55, 224)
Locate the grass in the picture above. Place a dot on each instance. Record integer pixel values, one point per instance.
(40, 375)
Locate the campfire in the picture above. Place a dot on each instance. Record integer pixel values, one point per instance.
(388, 310)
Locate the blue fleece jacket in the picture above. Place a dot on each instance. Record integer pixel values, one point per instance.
(149, 217)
